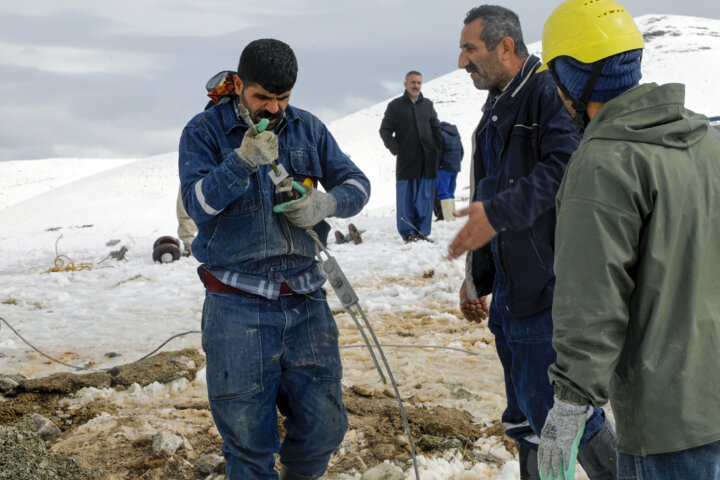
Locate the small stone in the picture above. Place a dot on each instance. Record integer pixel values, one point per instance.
(209, 463)
(383, 471)
(389, 391)
(462, 394)
(351, 442)
(48, 430)
(385, 451)
(351, 436)
(8, 385)
(402, 440)
(452, 443)
(363, 390)
(216, 476)
(187, 446)
(359, 464)
(166, 442)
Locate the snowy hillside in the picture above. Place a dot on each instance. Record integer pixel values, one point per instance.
(117, 311)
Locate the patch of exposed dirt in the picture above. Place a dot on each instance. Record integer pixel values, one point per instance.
(376, 429)
(381, 434)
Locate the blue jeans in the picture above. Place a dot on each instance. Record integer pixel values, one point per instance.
(524, 345)
(694, 463)
(263, 354)
(415, 199)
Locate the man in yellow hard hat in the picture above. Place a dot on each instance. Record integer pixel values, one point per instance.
(636, 308)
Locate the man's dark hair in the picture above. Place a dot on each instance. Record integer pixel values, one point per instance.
(412, 72)
(498, 23)
(269, 63)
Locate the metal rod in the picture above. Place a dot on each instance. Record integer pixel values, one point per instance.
(408, 432)
(369, 347)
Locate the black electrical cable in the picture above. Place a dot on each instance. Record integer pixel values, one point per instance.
(86, 368)
(390, 345)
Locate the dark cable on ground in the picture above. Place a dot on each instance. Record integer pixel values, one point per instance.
(359, 345)
(76, 367)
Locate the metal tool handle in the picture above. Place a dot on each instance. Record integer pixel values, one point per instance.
(260, 127)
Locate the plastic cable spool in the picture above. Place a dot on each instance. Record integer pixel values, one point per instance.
(166, 249)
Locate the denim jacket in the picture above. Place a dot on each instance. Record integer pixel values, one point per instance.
(233, 206)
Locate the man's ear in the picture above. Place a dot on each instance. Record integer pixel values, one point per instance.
(237, 81)
(507, 47)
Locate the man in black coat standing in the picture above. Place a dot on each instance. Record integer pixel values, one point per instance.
(411, 131)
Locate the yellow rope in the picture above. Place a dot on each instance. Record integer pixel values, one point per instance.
(63, 263)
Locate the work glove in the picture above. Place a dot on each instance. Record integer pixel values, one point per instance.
(257, 148)
(559, 440)
(310, 210)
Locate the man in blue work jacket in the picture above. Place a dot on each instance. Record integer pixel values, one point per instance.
(268, 334)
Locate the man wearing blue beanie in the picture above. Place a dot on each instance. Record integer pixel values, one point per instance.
(636, 308)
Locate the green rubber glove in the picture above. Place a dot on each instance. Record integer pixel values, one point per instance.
(560, 439)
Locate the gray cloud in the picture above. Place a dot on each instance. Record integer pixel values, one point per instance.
(122, 79)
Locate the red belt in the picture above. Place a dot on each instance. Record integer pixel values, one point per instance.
(212, 284)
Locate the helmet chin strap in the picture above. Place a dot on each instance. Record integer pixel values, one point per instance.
(580, 118)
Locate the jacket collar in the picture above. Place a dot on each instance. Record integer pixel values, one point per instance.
(519, 81)
(407, 95)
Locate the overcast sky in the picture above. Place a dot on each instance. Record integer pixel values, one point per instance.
(84, 78)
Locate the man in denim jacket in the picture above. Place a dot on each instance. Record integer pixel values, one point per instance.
(268, 334)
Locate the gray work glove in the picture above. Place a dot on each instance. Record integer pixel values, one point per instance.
(312, 209)
(559, 440)
(256, 148)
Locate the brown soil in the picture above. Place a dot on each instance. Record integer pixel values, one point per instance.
(374, 418)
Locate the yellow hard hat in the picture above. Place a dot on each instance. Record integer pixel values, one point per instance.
(588, 31)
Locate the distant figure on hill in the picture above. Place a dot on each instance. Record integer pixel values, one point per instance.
(449, 160)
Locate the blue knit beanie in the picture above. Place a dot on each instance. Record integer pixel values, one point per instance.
(620, 74)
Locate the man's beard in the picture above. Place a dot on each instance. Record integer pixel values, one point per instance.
(256, 116)
(482, 81)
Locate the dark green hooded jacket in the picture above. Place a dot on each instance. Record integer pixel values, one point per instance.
(636, 310)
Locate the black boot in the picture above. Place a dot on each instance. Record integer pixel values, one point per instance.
(528, 463)
(286, 475)
(437, 208)
(598, 456)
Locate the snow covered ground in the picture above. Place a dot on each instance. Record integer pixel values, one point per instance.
(78, 207)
